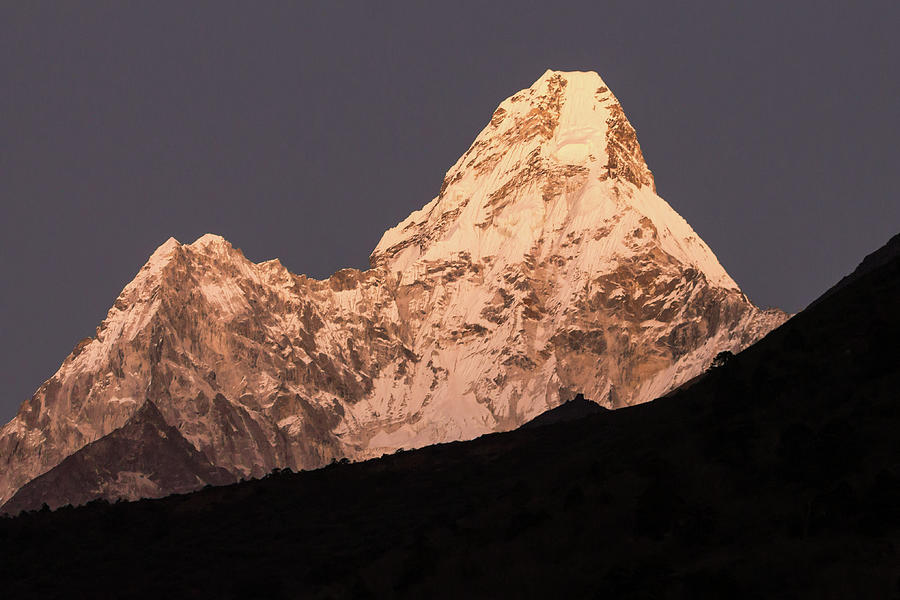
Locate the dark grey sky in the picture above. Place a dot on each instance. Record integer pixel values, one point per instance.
(304, 130)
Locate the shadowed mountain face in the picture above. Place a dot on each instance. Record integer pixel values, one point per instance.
(546, 265)
(145, 458)
(774, 475)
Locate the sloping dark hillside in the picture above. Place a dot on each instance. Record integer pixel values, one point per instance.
(576, 408)
(884, 255)
(775, 475)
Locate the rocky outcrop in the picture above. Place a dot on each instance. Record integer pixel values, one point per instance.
(547, 265)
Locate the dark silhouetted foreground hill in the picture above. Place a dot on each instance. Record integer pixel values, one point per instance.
(576, 408)
(775, 475)
(884, 255)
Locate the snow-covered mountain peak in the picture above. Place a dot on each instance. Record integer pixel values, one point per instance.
(574, 119)
(210, 240)
(161, 256)
(150, 274)
(557, 162)
(546, 265)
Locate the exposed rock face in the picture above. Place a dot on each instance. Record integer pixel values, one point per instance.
(546, 266)
(145, 458)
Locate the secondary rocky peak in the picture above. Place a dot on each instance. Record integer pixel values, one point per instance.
(211, 241)
(144, 458)
(208, 244)
(164, 250)
(157, 261)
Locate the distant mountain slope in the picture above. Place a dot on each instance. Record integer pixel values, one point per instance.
(774, 476)
(546, 265)
(145, 458)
